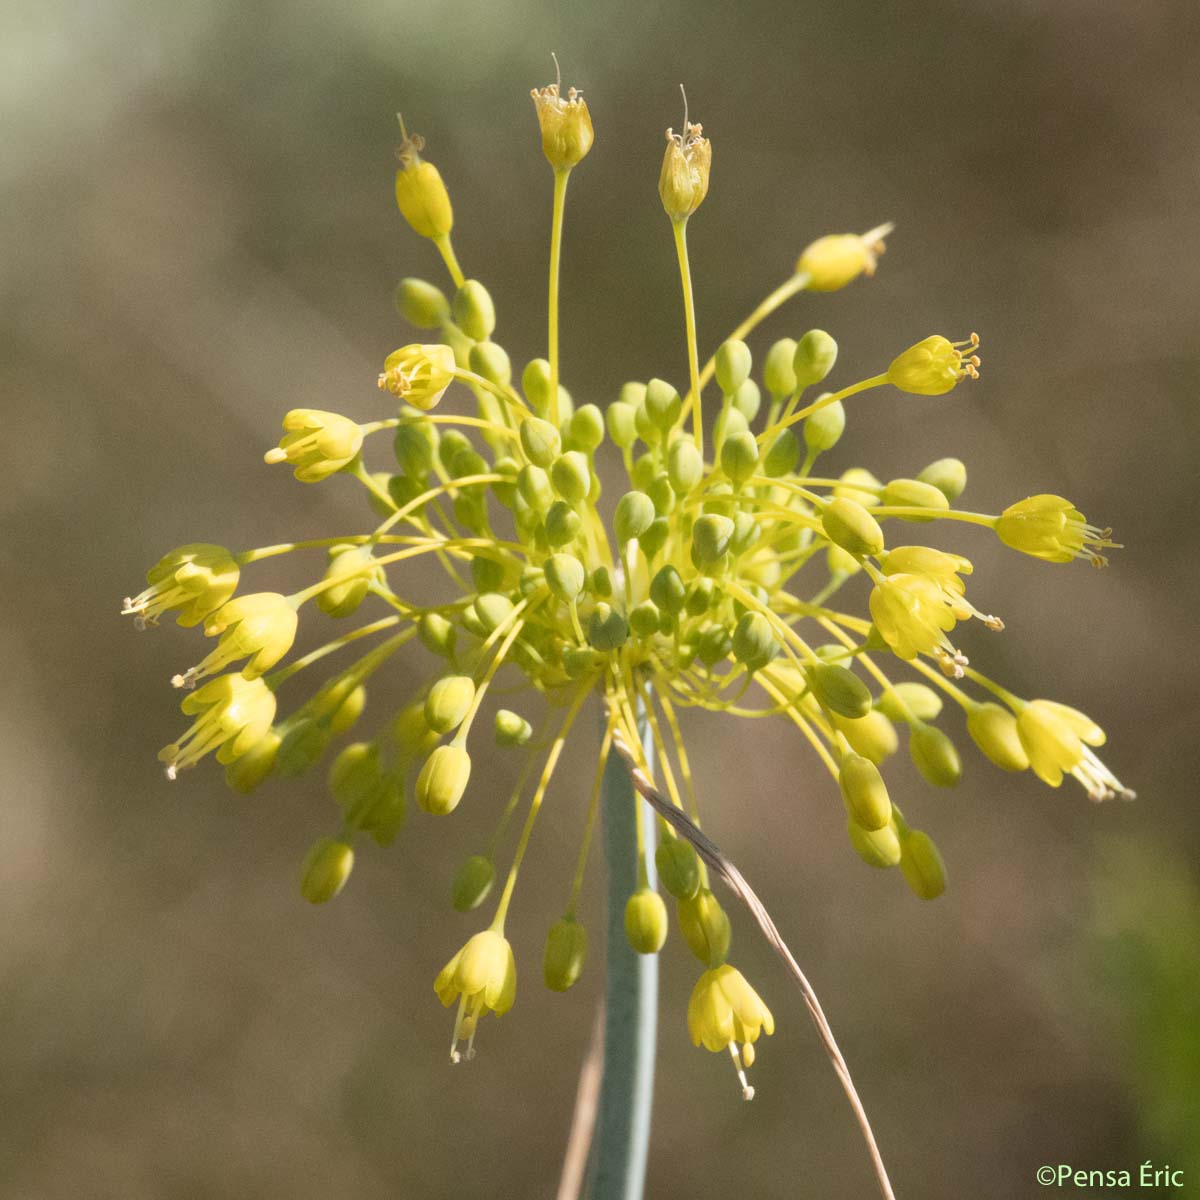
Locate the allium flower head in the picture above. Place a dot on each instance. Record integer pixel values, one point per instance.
(717, 575)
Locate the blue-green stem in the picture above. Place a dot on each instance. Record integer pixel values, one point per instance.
(622, 1137)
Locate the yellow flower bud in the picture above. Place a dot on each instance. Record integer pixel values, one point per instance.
(422, 304)
(1052, 529)
(326, 867)
(912, 493)
(935, 755)
(195, 580)
(849, 525)
(683, 181)
(933, 366)
(832, 262)
(259, 627)
(350, 575)
(906, 700)
(733, 363)
(678, 867)
(244, 774)
(418, 374)
(994, 730)
(317, 443)
(566, 125)
(922, 865)
(421, 195)
(443, 779)
(511, 728)
(864, 792)
(948, 475)
(839, 689)
(873, 736)
(472, 883)
(856, 484)
(705, 927)
(484, 974)
(646, 921)
(876, 847)
(563, 958)
(448, 702)
(814, 357)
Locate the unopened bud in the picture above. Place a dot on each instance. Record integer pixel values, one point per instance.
(511, 728)
(779, 376)
(816, 353)
(678, 867)
(839, 690)
(472, 883)
(994, 730)
(705, 927)
(864, 792)
(733, 363)
(635, 511)
(565, 575)
(948, 475)
(922, 865)
(443, 779)
(421, 195)
(566, 950)
(448, 702)
(877, 847)
(824, 428)
(849, 525)
(646, 921)
(754, 644)
(935, 755)
(422, 304)
(326, 867)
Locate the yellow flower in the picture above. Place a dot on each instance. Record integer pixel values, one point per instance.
(944, 569)
(725, 1011)
(566, 125)
(1057, 739)
(418, 374)
(1053, 529)
(232, 714)
(683, 181)
(933, 366)
(260, 627)
(421, 195)
(913, 614)
(317, 443)
(834, 261)
(195, 579)
(481, 976)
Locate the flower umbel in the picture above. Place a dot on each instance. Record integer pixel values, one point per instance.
(711, 578)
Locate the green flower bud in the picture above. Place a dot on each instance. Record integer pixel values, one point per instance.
(824, 428)
(473, 310)
(779, 377)
(905, 701)
(667, 590)
(645, 470)
(451, 444)
(437, 634)
(511, 728)
(912, 493)
(535, 383)
(644, 619)
(754, 644)
(711, 535)
(565, 575)
(841, 563)
(705, 927)
(646, 921)
(472, 883)
(448, 702)
(662, 404)
(655, 538)
(733, 363)
(491, 361)
(840, 690)
(873, 736)
(699, 597)
(351, 580)
(302, 744)
(443, 779)
(714, 645)
(729, 421)
(486, 574)
(415, 445)
(678, 867)
(571, 476)
(563, 524)
(782, 457)
(876, 847)
(739, 457)
(326, 867)
(248, 770)
(540, 441)
(606, 629)
(579, 661)
(849, 525)
(948, 475)
(566, 949)
(587, 427)
(935, 755)
(492, 609)
(685, 465)
(994, 730)
(816, 352)
(747, 529)
(635, 511)
(748, 399)
(533, 484)
(600, 583)
(855, 485)
(421, 304)
(864, 792)
(922, 865)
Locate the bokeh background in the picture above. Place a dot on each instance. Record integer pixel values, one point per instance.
(199, 233)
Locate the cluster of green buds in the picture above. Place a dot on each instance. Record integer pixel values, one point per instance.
(709, 582)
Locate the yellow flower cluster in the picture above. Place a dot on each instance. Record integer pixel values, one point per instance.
(710, 582)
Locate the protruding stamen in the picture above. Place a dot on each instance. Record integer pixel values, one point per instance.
(747, 1090)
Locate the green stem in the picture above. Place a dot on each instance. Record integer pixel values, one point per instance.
(622, 1136)
(556, 226)
(689, 316)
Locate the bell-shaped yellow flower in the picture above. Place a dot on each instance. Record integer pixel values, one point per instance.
(913, 614)
(418, 374)
(725, 1011)
(1053, 529)
(566, 125)
(260, 627)
(481, 976)
(317, 443)
(933, 366)
(944, 569)
(195, 579)
(232, 714)
(1057, 739)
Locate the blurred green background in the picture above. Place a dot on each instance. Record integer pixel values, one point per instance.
(199, 233)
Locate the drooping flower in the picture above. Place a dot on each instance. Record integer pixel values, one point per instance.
(194, 580)
(317, 443)
(232, 714)
(482, 977)
(725, 1012)
(259, 627)
(1057, 739)
(1054, 530)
